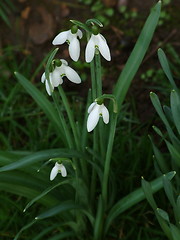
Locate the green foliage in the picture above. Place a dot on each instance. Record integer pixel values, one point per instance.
(86, 204)
(170, 117)
(100, 11)
(6, 8)
(128, 14)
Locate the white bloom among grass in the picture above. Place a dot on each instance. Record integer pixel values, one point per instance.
(97, 42)
(48, 84)
(72, 40)
(56, 76)
(95, 111)
(58, 168)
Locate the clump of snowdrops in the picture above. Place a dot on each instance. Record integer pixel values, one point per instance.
(87, 203)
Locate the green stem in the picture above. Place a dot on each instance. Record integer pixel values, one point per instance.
(98, 74)
(64, 125)
(70, 115)
(93, 80)
(99, 93)
(108, 159)
(94, 174)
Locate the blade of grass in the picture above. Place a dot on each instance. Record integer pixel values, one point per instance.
(64, 206)
(165, 66)
(43, 102)
(137, 55)
(40, 156)
(133, 198)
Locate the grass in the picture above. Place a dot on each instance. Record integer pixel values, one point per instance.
(30, 131)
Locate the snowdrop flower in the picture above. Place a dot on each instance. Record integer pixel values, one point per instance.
(71, 37)
(97, 42)
(95, 111)
(48, 84)
(58, 168)
(56, 76)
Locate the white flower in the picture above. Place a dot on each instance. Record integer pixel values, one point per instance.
(58, 168)
(72, 39)
(95, 111)
(97, 42)
(56, 77)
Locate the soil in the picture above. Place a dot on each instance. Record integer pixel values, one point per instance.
(35, 23)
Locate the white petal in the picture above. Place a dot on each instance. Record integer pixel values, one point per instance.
(55, 77)
(103, 48)
(90, 108)
(49, 89)
(79, 33)
(63, 170)
(105, 114)
(74, 49)
(93, 119)
(90, 50)
(43, 77)
(64, 62)
(60, 38)
(54, 172)
(72, 75)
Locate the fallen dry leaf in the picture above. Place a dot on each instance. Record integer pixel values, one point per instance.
(122, 3)
(110, 3)
(25, 13)
(42, 27)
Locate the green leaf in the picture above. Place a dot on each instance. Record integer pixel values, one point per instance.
(49, 62)
(163, 214)
(5, 17)
(137, 55)
(174, 153)
(133, 198)
(175, 232)
(45, 192)
(18, 183)
(158, 131)
(40, 156)
(63, 235)
(157, 105)
(178, 208)
(24, 228)
(168, 113)
(163, 220)
(146, 186)
(64, 206)
(99, 220)
(169, 190)
(43, 102)
(175, 108)
(45, 231)
(94, 20)
(159, 158)
(165, 66)
(81, 25)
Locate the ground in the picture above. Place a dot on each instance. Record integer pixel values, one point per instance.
(34, 25)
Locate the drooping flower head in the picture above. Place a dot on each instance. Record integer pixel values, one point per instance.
(58, 168)
(97, 42)
(71, 37)
(60, 69)
(96, 110)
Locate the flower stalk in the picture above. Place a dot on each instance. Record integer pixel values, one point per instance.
(108, 158)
